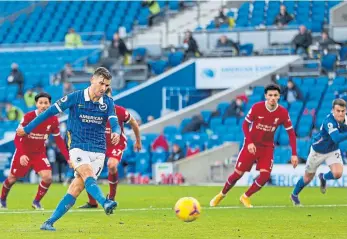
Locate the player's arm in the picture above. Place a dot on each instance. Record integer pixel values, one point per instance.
(113, 119)
(246, 124)
(334, 133)
(59, 141)
(288, 126)
(60, 106)
(135, 127)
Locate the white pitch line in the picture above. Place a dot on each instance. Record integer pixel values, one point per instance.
(26, 211)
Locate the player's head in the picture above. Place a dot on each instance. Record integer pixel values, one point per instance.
(272, 94)
(43, 101)
(100, 81)
(339, 110)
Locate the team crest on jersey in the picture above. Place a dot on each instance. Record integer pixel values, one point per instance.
(48, 127)
(103, 107)
(276, 121)
(64, 99)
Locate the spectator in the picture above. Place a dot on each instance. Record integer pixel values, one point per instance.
(302, 41)
(176, 154)
(67, 72)
(221, 18)
(160, 142)
(235, 109)
(118, 47)
(68, 88)
(324, 42)
(154, 9)
(72, 39)
(192, 150)
(283, 18)
(16, 77)
(227, 44)
(190, 46)
(13, 113)
(29, 98)
(195, 124)
(291, 93)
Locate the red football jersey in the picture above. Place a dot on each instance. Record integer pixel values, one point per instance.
(123, 117)
(35, 141)
(265, 122)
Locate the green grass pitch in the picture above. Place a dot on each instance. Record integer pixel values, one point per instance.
(146, 212)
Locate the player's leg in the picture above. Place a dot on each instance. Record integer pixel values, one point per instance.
(75, 189)
(264, 165)
(244, 163)
(112, 165)
(6, 187)
(46, 181)
(313, 161)
(335, 163)
(16, 171)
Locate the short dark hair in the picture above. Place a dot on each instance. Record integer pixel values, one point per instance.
(272, 87)
(102, 71)
(43, 95)
(339, 102)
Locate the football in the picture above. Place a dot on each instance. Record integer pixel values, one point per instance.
(187, 209)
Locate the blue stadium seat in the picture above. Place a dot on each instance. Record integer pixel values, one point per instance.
(215, 121)
(175, 58)
(339, 80)
(230, 121)
(206, 115)
(214, 141)
(171, 130)
(222, 107)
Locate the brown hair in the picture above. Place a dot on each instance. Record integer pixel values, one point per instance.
(102, 71)
(339, 102)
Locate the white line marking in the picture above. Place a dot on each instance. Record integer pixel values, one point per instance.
(26, 211)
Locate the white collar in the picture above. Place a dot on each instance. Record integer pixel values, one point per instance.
(269, 109)
(37, 112)
(87, 98)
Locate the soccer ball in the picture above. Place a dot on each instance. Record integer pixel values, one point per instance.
(187, 209)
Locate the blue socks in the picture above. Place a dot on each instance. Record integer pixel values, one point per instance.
(299, 186)
(65, 204)
(93, 189)
(328, 176)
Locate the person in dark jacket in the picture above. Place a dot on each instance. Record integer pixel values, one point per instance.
(221, 18)
(16, 77)
(235, 109)
(291, 93)
(177, 153)
(118, 47)
(190, 46)
(302, 41)
(195, 124)
(325, 41)
(283, 18)
(229, 45)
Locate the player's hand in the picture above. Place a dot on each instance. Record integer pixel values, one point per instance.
(251, 148)
(294, 160)
(138, 146)
(115, 138)
(20, 131)
(24, 160)
(112, 162)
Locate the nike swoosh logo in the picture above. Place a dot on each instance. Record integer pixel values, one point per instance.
(260, 117)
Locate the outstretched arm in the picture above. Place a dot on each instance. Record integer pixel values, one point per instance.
(136, 129)
(62, 147)
(338, 137)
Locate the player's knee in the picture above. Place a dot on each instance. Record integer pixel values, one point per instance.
(308, 177)
(264, 177)
(239, 172)
(47, 179)
(11, 179)
(337, 174)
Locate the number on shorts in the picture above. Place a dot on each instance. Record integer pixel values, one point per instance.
(46, 161)
(98, 172)
(337, 155)
(116, 152)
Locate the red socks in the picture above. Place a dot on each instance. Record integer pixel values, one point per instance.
(233, 178)
(258, 183)
(92, 201)
(6, 187)
(42, 190)
(113, 182)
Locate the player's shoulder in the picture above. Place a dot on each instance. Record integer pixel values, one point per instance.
(259, 105)
(282, 109)
(30, 114)
(107, 99)
(330, 121)
(119, 108)
(54, 119)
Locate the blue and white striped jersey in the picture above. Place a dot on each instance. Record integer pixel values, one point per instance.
(330, 134)
(87, 120)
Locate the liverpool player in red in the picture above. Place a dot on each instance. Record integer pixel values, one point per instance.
(259, 129)
(114, 153)
(31, 152)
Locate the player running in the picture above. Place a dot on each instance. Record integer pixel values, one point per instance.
(31, 152)
(325, 148)
(89, 111)
(264, 118)
(114, 153)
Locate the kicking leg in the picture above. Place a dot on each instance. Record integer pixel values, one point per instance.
(299, 186)
(112, 177)
(335, 172)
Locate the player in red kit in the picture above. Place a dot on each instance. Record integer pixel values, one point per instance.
(259, 129)
(31, 152)
(114, 153)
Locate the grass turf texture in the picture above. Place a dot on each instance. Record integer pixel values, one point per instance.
(146, 212)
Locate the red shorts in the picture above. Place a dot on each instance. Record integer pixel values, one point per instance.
(37, 161)
(115, 152)
(263, 157)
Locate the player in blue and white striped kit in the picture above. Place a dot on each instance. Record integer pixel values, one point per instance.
(89, 112)
(325, 147)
